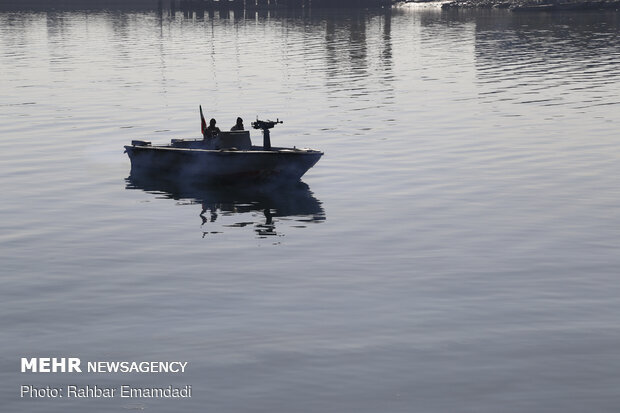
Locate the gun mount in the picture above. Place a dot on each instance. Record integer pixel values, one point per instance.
(265, 125)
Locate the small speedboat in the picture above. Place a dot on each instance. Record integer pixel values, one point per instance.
(228, 157)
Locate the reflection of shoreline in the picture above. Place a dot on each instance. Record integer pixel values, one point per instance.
(80, 5)
(263, 207)
(189, 7)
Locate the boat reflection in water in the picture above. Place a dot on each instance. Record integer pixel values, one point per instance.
(262, 207)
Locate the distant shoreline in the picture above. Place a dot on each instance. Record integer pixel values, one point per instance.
(529, 5)
(514, 5)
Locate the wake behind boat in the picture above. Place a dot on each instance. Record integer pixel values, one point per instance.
(223, 157)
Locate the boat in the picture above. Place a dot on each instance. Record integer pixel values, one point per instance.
(228, 157)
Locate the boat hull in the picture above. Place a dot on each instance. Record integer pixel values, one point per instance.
(222, 165)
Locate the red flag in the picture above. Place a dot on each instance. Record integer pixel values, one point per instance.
(203, 122)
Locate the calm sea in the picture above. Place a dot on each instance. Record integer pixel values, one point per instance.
(457, 249)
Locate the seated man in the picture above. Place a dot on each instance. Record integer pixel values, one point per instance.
(211, 130)
(238, 125)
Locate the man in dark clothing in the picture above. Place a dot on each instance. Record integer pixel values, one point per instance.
(211, 130)
(238, 125)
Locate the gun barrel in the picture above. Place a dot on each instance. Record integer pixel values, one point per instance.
(265, 124)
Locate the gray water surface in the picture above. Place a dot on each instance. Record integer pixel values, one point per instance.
(457, 249)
